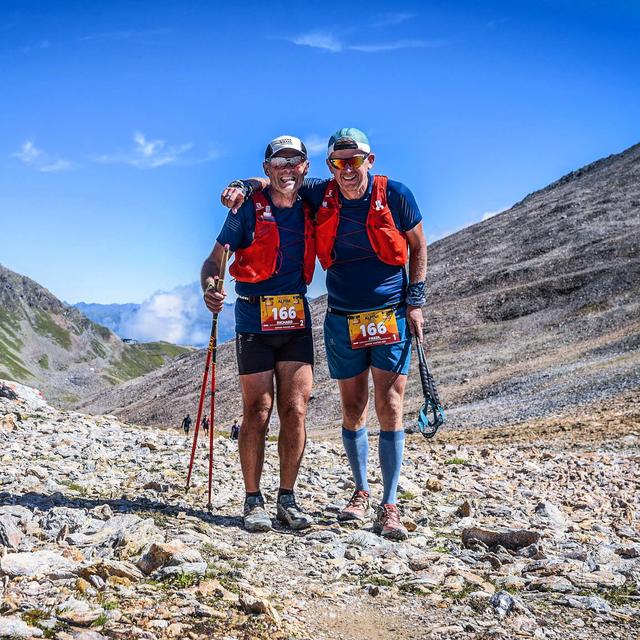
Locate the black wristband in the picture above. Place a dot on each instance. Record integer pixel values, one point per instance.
(416, 296)
(244, 186)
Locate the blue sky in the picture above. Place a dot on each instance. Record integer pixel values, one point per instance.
(121, 122)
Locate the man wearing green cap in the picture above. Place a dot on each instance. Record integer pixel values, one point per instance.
(367, 228)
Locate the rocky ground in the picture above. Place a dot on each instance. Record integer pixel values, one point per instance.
(530, 531)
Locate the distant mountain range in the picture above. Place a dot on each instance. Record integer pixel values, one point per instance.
(177, 316)
(48, 344)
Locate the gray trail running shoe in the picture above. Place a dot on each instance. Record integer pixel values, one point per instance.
(290, 514)
(255, 516)
(388, 523)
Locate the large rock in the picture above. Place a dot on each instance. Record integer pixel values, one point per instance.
(107, 568)
(553, 515)
(252, 604)
(37, 563)
(79, 612)
(592, 603)
(507, 538)
(10, 536)
(172, 554)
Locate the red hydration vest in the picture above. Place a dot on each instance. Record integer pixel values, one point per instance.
(259, 260)
(389, 243)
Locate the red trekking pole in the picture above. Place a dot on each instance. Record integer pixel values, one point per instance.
(210, 363)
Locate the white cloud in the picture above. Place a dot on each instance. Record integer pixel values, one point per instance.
(398, 44)
(178, 316)
(37, 159)
(28, 153)
(319, 40)
(388, 19)
(315, 144)
(55, 165)
(151, 154)
(330, 42)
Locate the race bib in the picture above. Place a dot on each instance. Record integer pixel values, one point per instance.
(373, 328)
(282, 312)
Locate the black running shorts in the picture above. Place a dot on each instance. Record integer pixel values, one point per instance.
(257, 352)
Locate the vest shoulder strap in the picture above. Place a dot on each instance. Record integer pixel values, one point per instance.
(379, 192)
(260, 202)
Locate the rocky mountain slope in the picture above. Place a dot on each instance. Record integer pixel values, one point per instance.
(53, 346)
(530, 532)
(531, 311)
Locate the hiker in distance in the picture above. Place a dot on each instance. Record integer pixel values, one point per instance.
(367, 228)
(272, 237)
(186, 424)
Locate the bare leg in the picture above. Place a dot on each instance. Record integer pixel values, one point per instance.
(257, 401)
(293, 380)
(389, 398)
(354, 394)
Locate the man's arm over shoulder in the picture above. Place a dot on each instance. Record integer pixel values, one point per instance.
(312, 190)
(235, 193)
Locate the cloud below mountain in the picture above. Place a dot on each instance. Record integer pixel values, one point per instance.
(177, 316)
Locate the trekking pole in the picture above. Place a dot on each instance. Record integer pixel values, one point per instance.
(214, 351)
(211, 356)
(432, 414)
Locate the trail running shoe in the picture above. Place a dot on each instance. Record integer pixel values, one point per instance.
(255, 516)
(358, 508)
(290, 514)
(387, 523)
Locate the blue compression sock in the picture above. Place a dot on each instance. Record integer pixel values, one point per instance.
(356, 444)
(391, 449)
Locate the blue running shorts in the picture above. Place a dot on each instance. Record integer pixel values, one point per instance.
(345, 362)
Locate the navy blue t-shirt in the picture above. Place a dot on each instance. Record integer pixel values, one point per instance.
(358, 280)
(237, 232)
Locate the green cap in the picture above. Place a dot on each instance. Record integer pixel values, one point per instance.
(348, 138)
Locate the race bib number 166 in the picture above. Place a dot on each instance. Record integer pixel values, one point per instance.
(278, 313)
(373, 328)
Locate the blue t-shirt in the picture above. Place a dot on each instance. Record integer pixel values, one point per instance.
(237, 232)
(358, 280)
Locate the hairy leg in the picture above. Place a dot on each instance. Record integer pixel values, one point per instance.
(293, 381)
(354, 395)
(389, 398)
(257, 402)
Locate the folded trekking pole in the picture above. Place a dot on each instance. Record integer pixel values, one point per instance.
(432, 414)
(210, 363)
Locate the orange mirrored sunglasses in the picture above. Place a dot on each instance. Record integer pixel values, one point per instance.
(340, 163)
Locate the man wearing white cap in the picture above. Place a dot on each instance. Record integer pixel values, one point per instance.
(367, 229)
(273, 240)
